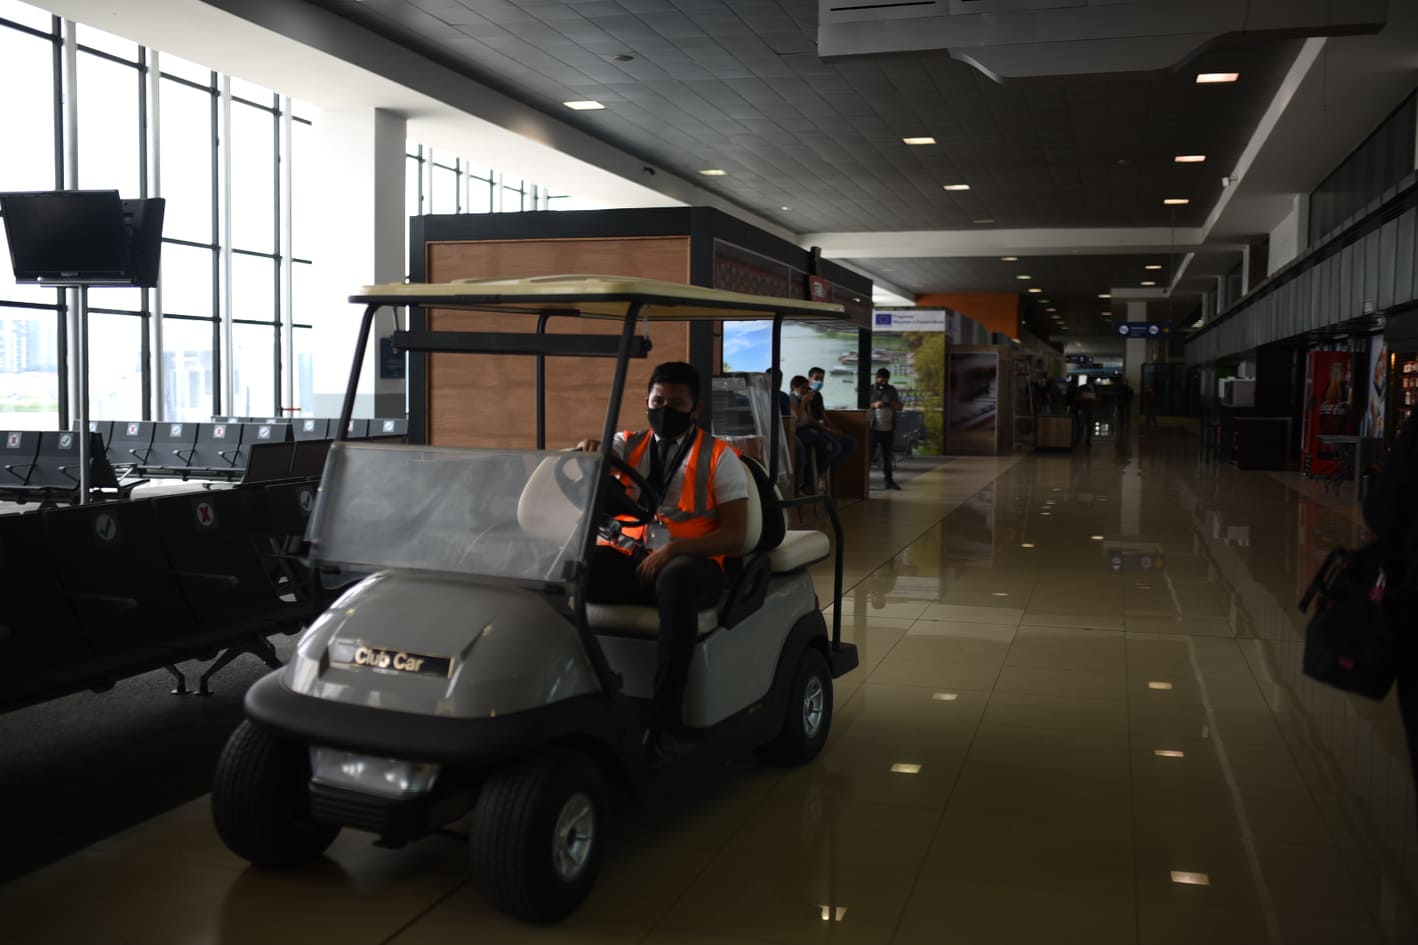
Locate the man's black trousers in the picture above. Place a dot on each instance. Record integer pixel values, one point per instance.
(684, 587)
(885, 440)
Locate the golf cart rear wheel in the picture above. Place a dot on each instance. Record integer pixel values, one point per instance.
(538, 834)
(261, 800)
(809, 715)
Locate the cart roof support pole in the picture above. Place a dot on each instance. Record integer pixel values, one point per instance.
(775, 376)
(361, 345)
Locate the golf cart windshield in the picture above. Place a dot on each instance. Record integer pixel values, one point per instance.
(504, 514)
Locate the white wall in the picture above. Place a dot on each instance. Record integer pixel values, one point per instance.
(1291, 237)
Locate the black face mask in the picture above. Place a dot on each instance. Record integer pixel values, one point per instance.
(667, 422)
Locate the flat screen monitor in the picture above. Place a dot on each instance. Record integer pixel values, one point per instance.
(83, 237)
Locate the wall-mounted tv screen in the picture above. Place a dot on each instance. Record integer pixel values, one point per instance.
(83, 237)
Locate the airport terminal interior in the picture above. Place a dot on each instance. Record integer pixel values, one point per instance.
(1144, 275)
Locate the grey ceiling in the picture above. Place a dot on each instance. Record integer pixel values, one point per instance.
(736, 84)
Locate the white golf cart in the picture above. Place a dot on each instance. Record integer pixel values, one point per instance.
(465, 673)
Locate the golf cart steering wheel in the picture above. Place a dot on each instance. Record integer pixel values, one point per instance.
(619, 502)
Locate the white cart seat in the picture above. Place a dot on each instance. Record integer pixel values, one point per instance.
(640, 619)
(799, 549)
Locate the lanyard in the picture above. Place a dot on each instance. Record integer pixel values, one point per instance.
(662, 473)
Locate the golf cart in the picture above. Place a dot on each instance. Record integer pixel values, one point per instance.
(463, 671)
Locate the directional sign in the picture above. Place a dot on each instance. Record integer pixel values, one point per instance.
(1143, 329)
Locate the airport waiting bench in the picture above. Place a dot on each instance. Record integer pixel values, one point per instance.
(97, 593)
(43, 466)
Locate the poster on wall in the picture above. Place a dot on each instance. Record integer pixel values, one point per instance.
(748, 346)
(972, 405)
(911, 345)
(1378, 386)
(1328, 408)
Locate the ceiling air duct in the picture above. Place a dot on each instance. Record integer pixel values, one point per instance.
(1016, 39)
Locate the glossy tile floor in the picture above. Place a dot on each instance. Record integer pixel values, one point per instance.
(1079, 718)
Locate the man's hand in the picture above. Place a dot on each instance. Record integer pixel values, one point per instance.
(589, 446)
(649, 569)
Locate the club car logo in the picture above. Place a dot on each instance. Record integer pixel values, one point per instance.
(399, 661)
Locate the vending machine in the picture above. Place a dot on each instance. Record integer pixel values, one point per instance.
(1328, 409)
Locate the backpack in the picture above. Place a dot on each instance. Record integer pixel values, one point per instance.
(1365, 598)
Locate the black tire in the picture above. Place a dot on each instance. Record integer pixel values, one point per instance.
(808, 718)
(261, 801)
(514, 838)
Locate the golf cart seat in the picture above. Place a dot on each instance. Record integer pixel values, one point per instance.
(768, 548)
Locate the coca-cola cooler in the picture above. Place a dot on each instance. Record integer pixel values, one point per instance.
(1328, 409)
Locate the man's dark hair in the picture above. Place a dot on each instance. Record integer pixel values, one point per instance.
(676, 372)
(815, 370)
(797, 381)
(883, 372)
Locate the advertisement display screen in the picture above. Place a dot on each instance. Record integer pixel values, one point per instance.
(972, 406)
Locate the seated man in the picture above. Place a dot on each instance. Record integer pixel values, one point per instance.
(703, 517)
(816, 431)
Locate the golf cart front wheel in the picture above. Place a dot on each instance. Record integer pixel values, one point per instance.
(538, 834)
(261, 800)
(809, 715)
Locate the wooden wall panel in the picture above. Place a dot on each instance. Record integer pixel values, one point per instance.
(481, 400)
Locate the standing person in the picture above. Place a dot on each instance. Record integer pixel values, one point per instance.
(703, 517)
(1124, 404)
(1149, 406)
(1087, 409)
(885, 401)
(841, 444)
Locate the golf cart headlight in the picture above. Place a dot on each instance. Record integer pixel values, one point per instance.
(387, 776)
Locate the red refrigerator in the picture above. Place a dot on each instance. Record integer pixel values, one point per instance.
(1328, 409)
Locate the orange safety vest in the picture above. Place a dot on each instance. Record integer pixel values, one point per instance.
(694, 514)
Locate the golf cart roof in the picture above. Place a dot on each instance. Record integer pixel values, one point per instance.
(595, 296)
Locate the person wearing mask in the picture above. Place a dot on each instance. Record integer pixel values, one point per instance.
(838, 445)
(703, 517)
(810, 441)
(884, 401)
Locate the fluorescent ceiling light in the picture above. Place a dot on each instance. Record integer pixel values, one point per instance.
(944, 696)
(1176, 201)
(586, 106)
(713, 172)
(900, 768)
(1097, 537)
(1027, 544)
(957, 186)
(1149, 283)
(1190, 879)
(924, 140)
(1154, 684)
(1035, 289)
(1009, 259)
(1153, 268)
(1168, 753)
(1190, 159)
(1105, 295)
(786, 209)
(1213, 78)
(1023, 276)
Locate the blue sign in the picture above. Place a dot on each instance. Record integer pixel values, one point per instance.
(1144, 329)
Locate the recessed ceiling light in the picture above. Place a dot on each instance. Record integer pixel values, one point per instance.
(1022, 276)
(1212, 78)
(957, 186)
(923, 140)
(1035, 289)
(1096, 537)
(1169, 753)
(586, 106)
(944, 696)
(1042, 301)
(1149, 283)
(900, 768)
(1105, 295)
(1009, 259)
(1189, 159)
(1190, 879)
(1027, 544)
(713, 172)
(1155, 684)
(833, 914)
(1176, 201)
(785, 209)
(999, 593)
(1154, 267)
